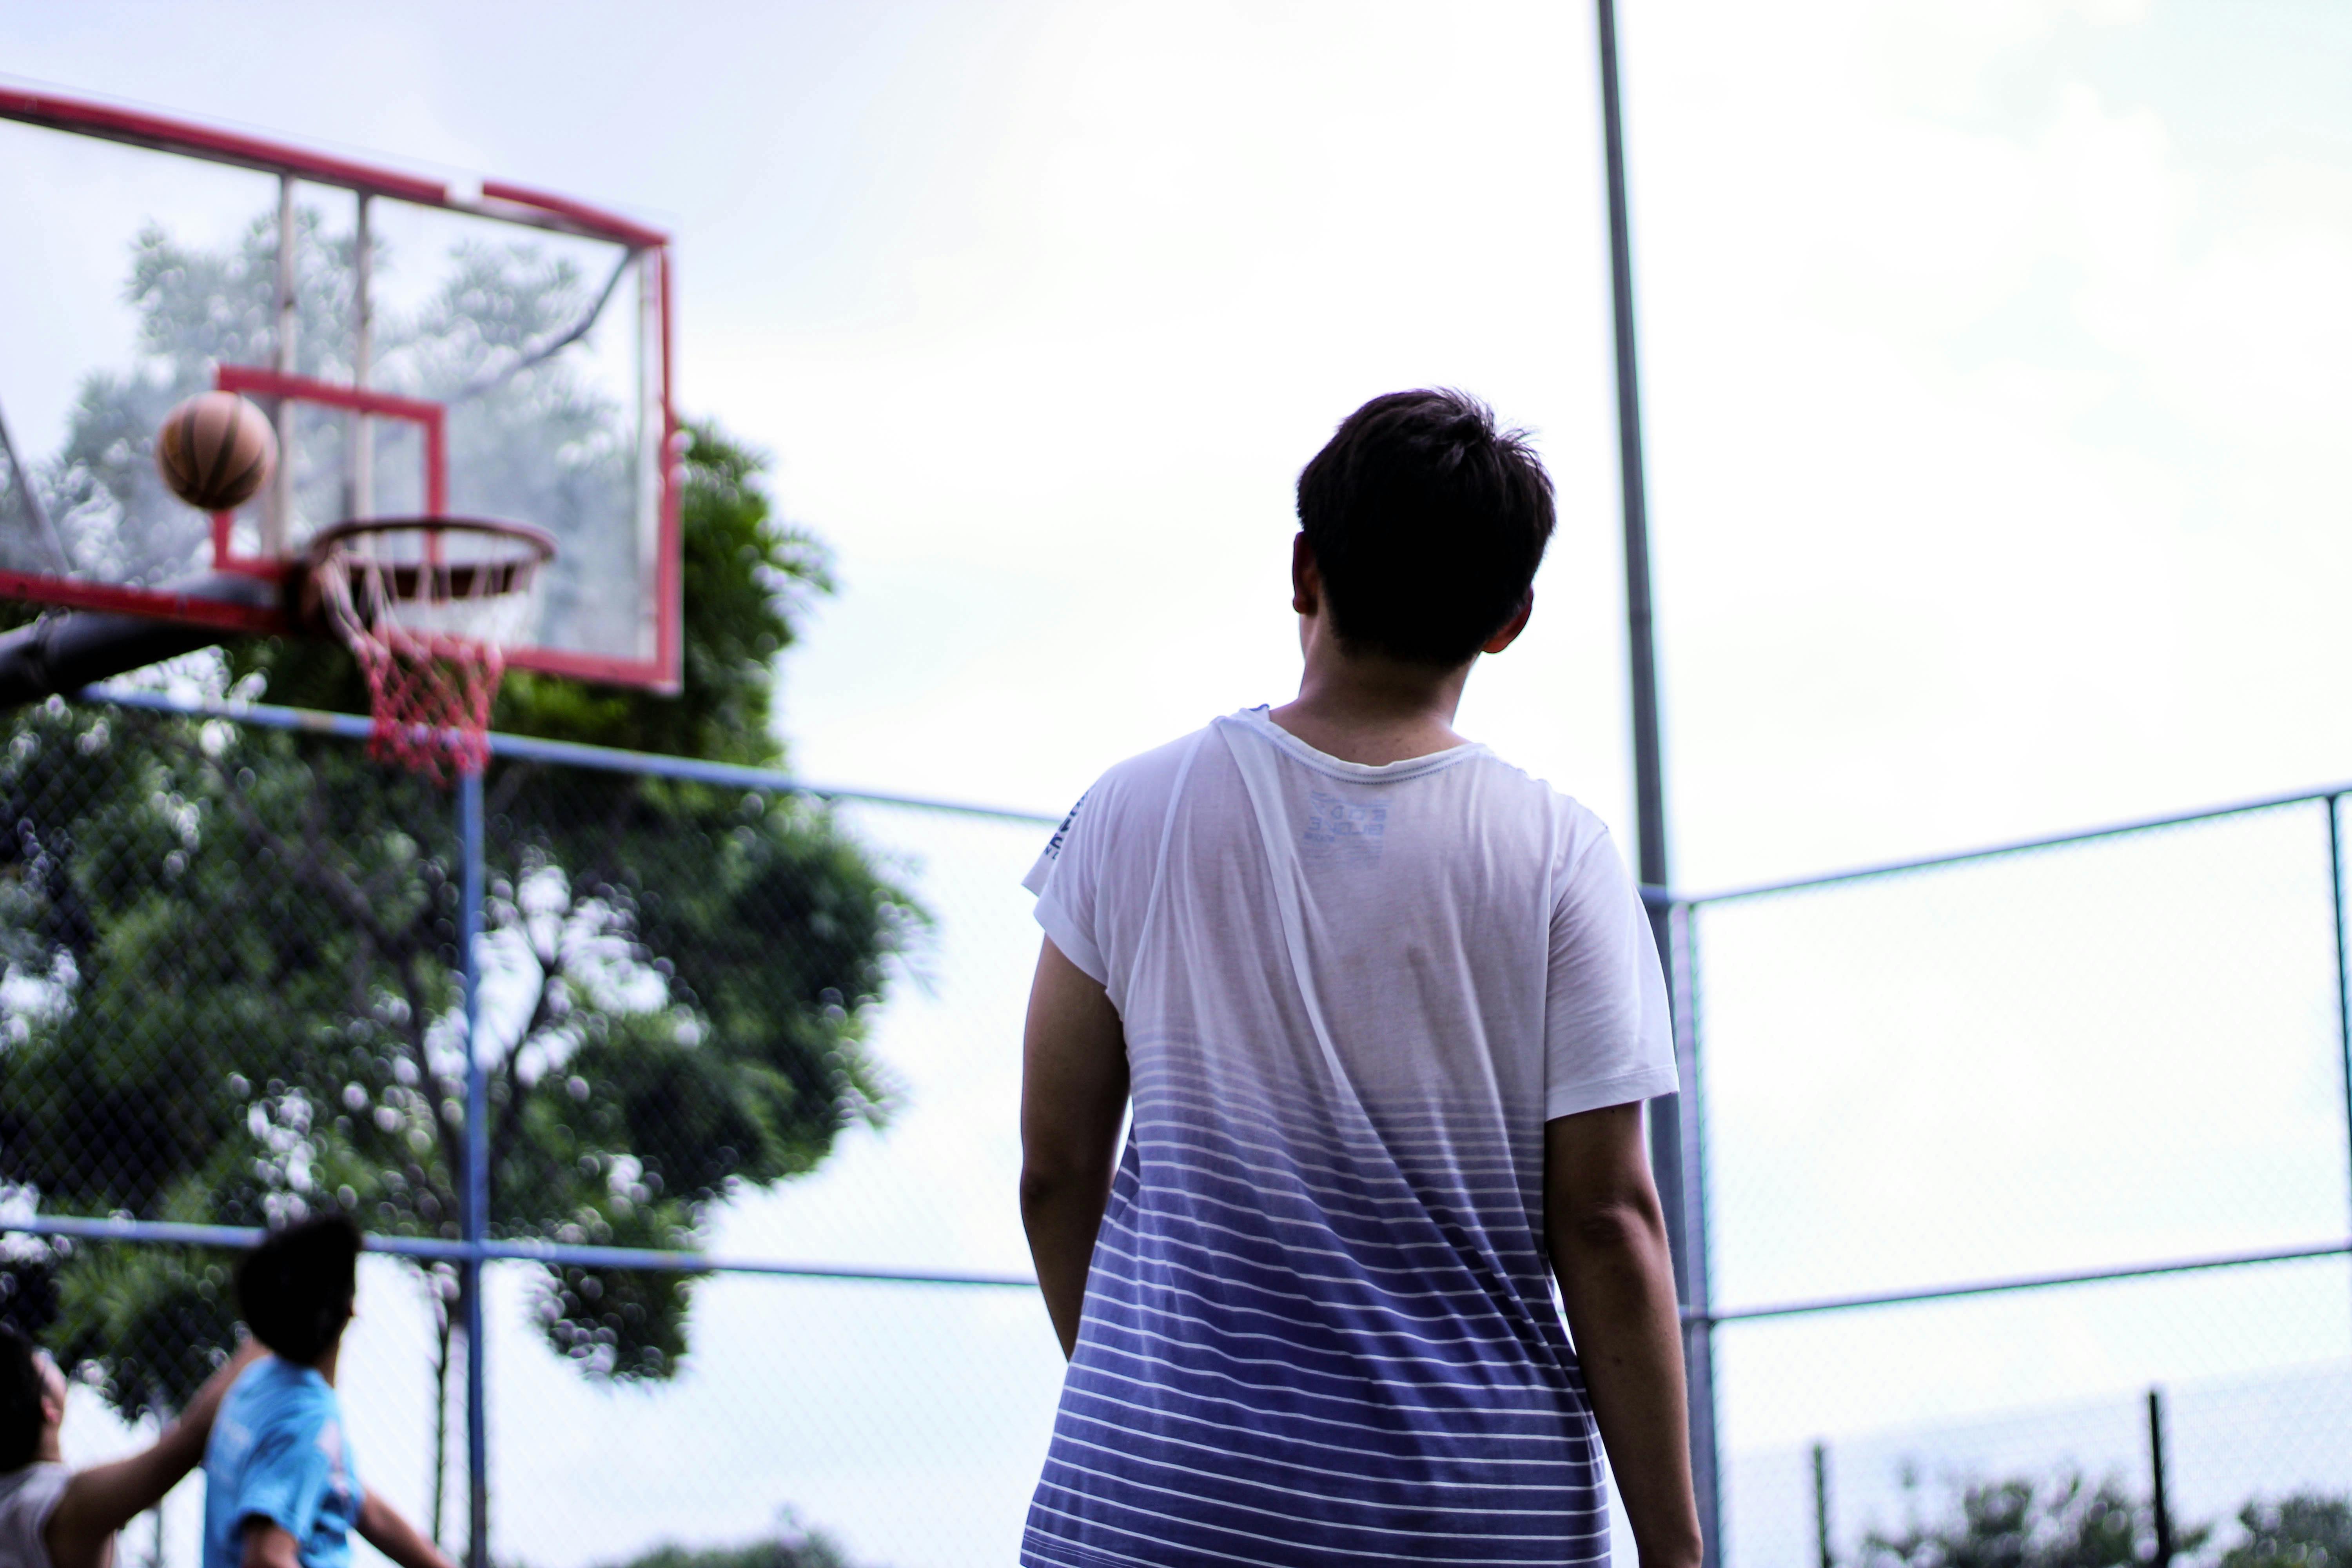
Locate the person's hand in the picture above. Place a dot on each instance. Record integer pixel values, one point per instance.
(102, 1498)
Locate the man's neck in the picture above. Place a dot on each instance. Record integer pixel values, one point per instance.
(50, 1452)
(324, 1366)
(1366, 708)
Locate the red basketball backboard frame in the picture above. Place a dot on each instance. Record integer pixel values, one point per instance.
(509, 203)
(251, 381)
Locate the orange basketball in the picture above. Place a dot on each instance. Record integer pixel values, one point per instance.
(214, 450)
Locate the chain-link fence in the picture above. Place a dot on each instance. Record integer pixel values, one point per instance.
(1997, 1145)
(740, 1092)
(1992, 1147)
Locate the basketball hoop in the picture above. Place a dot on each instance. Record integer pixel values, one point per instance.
(429, 607)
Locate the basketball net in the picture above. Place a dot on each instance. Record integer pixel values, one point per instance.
(428, 607)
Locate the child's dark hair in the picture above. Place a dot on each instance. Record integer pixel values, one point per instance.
(1427, 525)
(295, 1290)
(22, 1388)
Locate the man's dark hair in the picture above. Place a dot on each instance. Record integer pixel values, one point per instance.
(22, 1387)
(295, 1290)
(1427, 525)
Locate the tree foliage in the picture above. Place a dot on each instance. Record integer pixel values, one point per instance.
(791, 1547)
(2024, 1522)
(747, 579)
(230, 988)
(2307, 1530)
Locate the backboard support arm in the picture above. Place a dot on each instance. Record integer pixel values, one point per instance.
(23, 479)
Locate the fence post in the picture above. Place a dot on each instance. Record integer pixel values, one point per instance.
(2161, 1506)
(1822, 1505)
(477, 1174)
(1686, 1223)
(2343, 997)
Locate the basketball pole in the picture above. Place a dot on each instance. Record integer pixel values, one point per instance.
(478, 1175)
(1669, 1159)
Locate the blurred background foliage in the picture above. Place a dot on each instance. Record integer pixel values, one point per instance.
(230, 992)
(2063, 1521)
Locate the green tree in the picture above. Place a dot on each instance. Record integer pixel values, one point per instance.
(230, 989)
(2304, 1531)
(195, 308)
(2022, 1522)
(793, 1547)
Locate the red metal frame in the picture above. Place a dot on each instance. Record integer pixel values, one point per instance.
(586, 216)
(220, 147)
(662, 671)
(669, 647)
(167, 135)
(257, 383)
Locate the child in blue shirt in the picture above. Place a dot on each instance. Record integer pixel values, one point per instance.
(280, 1488)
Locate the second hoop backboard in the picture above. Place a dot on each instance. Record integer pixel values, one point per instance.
(421, 348)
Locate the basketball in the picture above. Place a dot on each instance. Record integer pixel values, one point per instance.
(214, 450)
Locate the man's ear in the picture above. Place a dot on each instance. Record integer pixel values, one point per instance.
(1512, 628)
(1306, 578)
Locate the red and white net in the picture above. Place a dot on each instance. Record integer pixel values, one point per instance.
(429, 607)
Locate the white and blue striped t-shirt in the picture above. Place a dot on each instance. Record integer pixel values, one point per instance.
(1319, 1323)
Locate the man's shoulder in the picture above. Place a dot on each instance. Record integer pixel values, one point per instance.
(33, 1486)
(276, 1398)
(1573, 829)
(1139, 783)
(1538, 795)
(30, 1497)
(1153, 771)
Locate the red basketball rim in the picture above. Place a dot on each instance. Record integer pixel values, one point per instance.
(411, 582)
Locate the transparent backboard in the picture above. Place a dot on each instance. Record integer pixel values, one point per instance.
(420, 349)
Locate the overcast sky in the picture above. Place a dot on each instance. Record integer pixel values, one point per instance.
(1995, 356)
(1990, 352)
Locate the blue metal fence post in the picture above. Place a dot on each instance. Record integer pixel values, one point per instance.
(478, 1174)
(1690, 1227)
(2335, 803)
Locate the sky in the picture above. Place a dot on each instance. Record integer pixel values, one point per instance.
(1994, 371)
(1989, 360)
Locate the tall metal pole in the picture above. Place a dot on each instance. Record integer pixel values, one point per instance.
(1667, 1158)
(2159, 1504)
(477, 1173)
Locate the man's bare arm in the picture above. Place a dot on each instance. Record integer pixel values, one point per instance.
(382, 1526)
(1608, 1240)
(101, 1499)
(269, 1545)
(1072, 1096)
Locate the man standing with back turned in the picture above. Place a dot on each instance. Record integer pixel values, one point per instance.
(1386, 1008)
